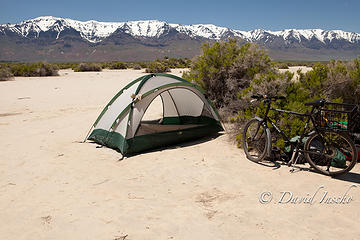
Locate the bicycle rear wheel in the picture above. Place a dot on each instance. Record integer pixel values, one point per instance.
(255, 140)
(330, 152)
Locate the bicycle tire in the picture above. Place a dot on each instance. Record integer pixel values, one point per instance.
(334, 153)
(255, 140)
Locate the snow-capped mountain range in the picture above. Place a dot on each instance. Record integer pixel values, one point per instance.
(62, 39)
(95, 32)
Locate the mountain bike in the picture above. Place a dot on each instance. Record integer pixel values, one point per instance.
(325, 142)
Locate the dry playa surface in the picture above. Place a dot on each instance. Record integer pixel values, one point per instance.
(295, 69)
(53, 186)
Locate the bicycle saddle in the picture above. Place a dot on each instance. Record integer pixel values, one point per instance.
(316, 103)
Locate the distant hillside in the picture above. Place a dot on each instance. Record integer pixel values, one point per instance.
(61, 39)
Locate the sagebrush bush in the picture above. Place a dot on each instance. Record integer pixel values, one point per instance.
(70, 65)
(336, 81)
(34, 69)
(143, 64)
(136, 67)
(282, 65)
(157, 67)
(88, 67)
(231, 74)
(175, 62)
(225, 68)
(5, 74)
(115, 65)
(343, 81)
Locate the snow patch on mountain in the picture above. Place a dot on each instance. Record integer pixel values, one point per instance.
(150, 28)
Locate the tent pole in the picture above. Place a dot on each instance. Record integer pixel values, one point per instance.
(223, 126)
(87, 135)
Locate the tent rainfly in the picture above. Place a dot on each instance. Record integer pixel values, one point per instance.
(186, 115)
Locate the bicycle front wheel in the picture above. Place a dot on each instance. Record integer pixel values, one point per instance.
(255, 140)
(330, 152)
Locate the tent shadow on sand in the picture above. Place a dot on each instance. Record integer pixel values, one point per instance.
(179, 145)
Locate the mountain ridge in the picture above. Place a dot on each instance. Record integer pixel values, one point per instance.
(65, 39)
(95, 31)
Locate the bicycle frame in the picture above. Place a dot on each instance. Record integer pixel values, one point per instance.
(326, 145)
(264, 121)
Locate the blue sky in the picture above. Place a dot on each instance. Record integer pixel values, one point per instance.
(241, 15)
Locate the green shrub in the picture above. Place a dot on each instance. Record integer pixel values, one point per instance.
(143, 64)
(34, 69)
(225, 68)
(157, 67)
(117, 65)
(67, 65)
(231, 74)
(175, 62)
(343, 81)
(282, 65)
(335, 81)
(88, 67)
(114, 65)
(5, 74)
(136, 67)
(276, 84)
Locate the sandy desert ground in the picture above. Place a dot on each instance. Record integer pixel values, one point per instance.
(52, 186)
(294, 70)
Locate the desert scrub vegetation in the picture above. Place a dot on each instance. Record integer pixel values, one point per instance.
(230, 74)
(282, 65)
(157, 67)
(136, 66)
(175, 62)
(225, 68)
(88, 67)
(165, 64)
(39, 69)
(114, 65)
(287, 64)
(5, 74)
(70, 65)
(339, 80)
(141, 64)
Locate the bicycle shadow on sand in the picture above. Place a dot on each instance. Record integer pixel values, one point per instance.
(351, 177)
(270, 164)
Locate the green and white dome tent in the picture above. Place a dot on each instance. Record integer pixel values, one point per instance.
(186, 115)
